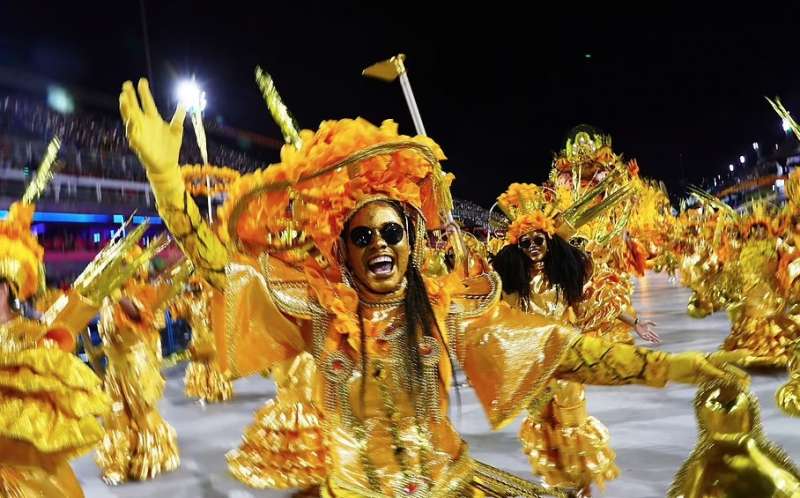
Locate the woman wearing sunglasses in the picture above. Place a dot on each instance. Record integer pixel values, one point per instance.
(339, 227)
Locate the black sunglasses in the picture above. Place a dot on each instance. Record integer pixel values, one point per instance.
(526, 242)
(392, 233)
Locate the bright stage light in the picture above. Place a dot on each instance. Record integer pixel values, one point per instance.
(191, 96)
(785, 124)
(755, 145)
(730, 167)
(741, 159)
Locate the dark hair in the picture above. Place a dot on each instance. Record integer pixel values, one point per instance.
(565, 266)
(419, 316)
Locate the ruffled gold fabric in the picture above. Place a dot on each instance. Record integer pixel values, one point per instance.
(565, 446)
(139, 444)
(761, 321)
(284, 447)
(49, 404)
(606, 296)
(204, 381)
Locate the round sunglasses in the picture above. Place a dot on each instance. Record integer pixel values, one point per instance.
(392, 233)
(537, 240)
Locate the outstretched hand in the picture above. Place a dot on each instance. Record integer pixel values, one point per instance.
(156, 142)
(695, 368)
(646, 331)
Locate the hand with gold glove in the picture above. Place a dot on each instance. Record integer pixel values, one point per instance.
(156, 142)
(696, 368)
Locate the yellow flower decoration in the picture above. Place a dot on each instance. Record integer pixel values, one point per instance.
(529, 223)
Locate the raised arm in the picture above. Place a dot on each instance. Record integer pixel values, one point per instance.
(157, 144)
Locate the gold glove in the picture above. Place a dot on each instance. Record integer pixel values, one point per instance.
(695, 368)
(156, 142)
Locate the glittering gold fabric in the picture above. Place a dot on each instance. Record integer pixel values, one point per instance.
(384, 438)
(204, 378)
(606, 296)
(284, 447)
(138, 443)
(733, 458)
(761, 322)
(49, 404)
(567, 447)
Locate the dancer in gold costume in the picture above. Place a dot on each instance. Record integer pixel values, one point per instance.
(761, 322)
(204, 377)
(339, 278)
(49, 400)
(586, 160)
(542, 273)
(733, 457)
(138, 444)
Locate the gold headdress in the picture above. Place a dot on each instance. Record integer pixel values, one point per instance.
(297, 209)
(758, 214)
(530, 207)
(586, 151)
(21, 256)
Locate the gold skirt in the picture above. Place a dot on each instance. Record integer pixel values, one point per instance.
(284, 447)
(204, 381)
(566, 447)
(138, 444)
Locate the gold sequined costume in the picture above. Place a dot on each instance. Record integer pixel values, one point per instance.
(565, 446)
(284, 447)
(761, 321)
(139, 444)
(204, 377)
(49, 399)
(385, 437)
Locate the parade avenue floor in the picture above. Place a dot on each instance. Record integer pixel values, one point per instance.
(652, 430)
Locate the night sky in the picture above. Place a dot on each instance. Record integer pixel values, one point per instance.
(498, 86)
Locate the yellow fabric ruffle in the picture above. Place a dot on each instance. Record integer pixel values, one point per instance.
(284, 447)
(565, 446)
(33, 482)
(51, 400)
(204, 381)
(137, 453)
(763, 327)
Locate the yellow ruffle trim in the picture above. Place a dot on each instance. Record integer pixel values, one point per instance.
(566, 447)
(138, 454)
(766, 338)
(284, 448)
(50, 399)
(204, 381)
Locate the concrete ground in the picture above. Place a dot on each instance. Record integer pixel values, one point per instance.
(652, 430)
